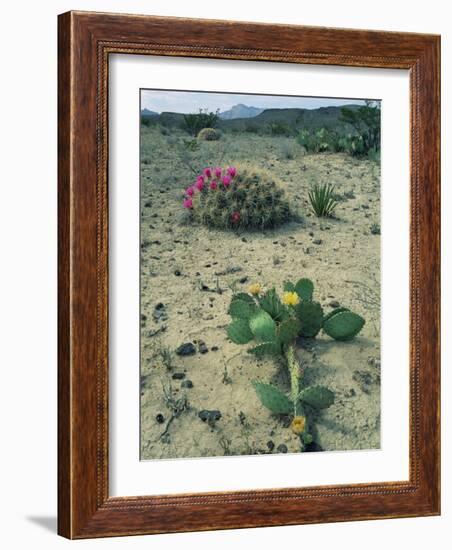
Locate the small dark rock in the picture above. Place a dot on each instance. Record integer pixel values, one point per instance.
(160, 418)
(244, 240)
(187, 384)
(282, 448)
(334, 303)
(214, 348)
(202, 348)
(186, 349)
(177, 273)
(286, 421)
(270, 445)
(178, 376)
(209, 416)
(317, 241)
(243, 280)
(311, 233)
(159, 313)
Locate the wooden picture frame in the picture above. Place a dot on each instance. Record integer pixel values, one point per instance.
(86, 40)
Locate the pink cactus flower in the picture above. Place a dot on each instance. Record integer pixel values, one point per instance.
(207, 172)
(199, 184)
(190, 191)
(235, 217)
(213, 185)
(188, 203)
(200, 178)
(232, 171)
(217, 172)
(226, 180)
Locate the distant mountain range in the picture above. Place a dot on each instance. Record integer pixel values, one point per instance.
(146, 112)
(252, 119)
(240, 111)
(237, 111)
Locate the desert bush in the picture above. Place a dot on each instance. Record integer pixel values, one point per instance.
(273, 324)
(322, 200)
(366, 123)
(146, 121)
(280, 129)
(288, 150)
(319, 141)
(251, 128)
(194, 123)
(246, 198)
(209, 134)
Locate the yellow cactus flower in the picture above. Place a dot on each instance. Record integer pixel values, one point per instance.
(298, 424)
(255, 289)
(290, 298)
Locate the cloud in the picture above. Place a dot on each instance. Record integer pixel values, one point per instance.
(191, 102)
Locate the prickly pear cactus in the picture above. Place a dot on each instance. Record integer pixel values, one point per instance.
(273, 325)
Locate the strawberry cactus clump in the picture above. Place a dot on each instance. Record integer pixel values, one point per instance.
(274, 324)
(231, 198)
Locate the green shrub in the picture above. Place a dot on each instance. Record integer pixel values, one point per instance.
(194, 123)
(366, 124)
(243, 198)
(319, 141)
(209, 134)
(322, 200)
(280, 129)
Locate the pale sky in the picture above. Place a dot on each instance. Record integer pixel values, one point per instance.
(191, 102)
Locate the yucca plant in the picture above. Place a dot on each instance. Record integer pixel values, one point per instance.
(274, 324)
(322, 200)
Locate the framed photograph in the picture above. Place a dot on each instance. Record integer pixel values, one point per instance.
(248, 275)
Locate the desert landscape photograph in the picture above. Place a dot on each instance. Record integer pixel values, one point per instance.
(259, 274)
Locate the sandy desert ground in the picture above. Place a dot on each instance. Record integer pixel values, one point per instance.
(186, 277)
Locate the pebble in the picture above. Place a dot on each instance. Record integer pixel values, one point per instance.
(317, 241)
(209, 416)
(243, 280)
(177, 273)
(282, 448)
(159, 313)
(160, 418)
(202, 348)
(187, 384)
(334, 303)
(270, 445)
(178, 376)
(214, 348)
(186, 349)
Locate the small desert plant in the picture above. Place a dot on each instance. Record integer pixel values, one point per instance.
(191, 145)
(195, 122)
(209, 134)
(375, 229)
(275, 324)
(322, 200)
(319, 141)
(229, 198)
(288, 151)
